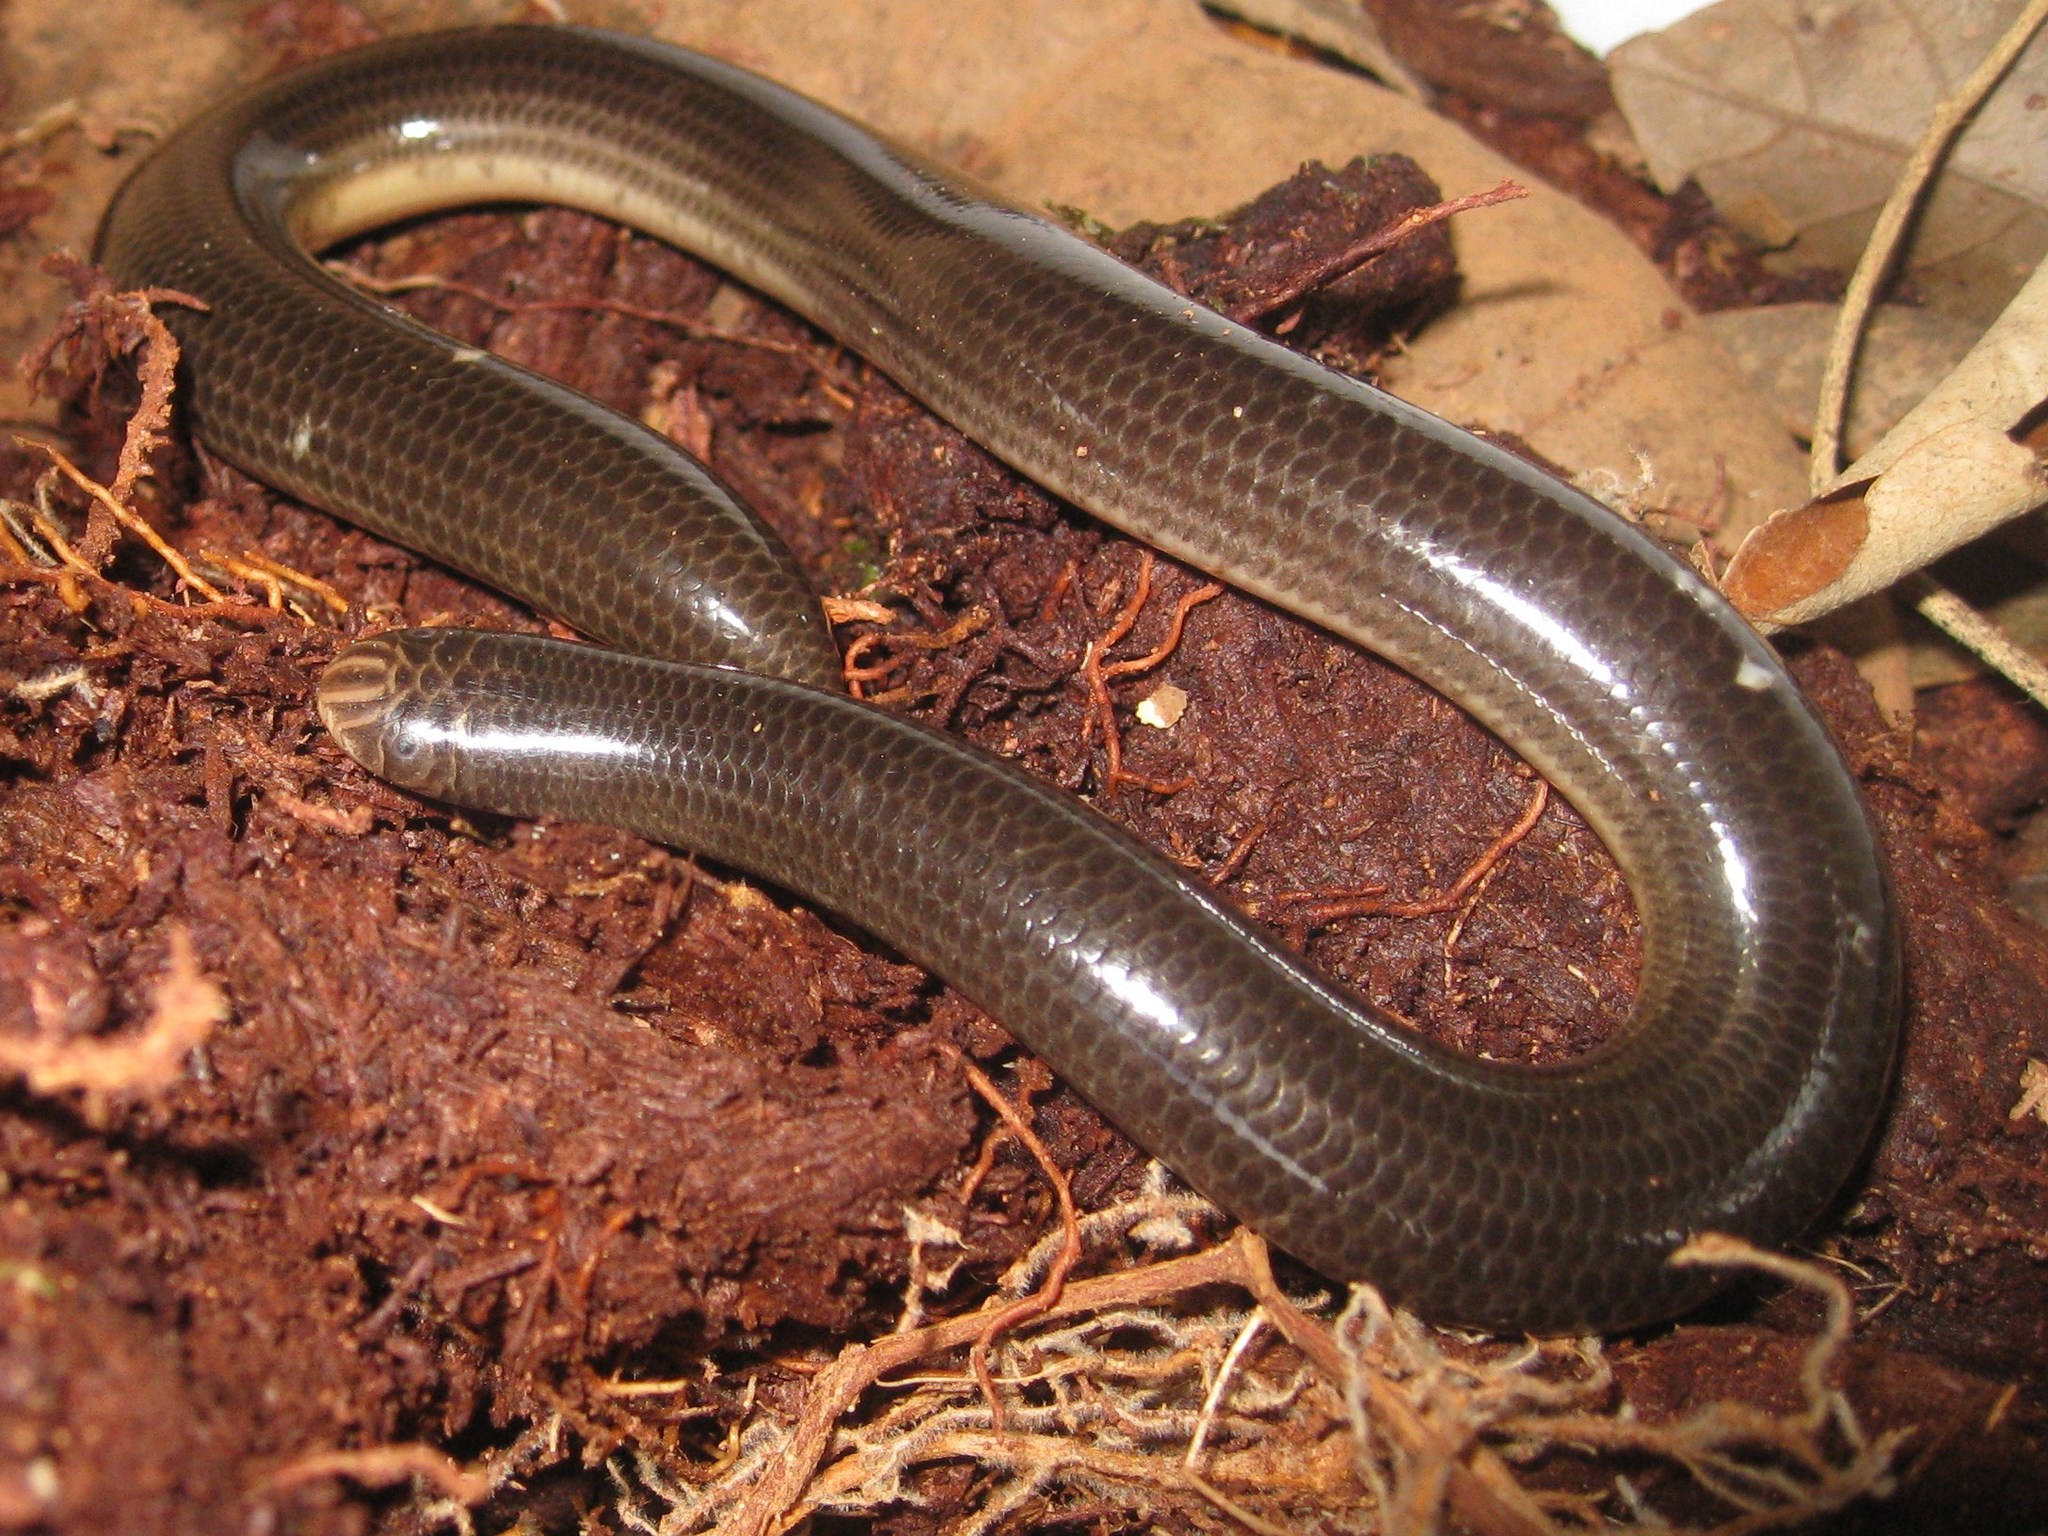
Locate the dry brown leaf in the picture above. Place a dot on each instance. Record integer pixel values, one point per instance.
(59, 53)
(1795, 117)
(1512, 56)
(1567, 337)
(1961, 463)
(1143, 109)
(1783, 347)
(1339, 27)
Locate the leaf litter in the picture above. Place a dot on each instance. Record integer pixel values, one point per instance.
(1797, 119)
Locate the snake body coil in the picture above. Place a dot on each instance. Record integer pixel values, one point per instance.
(1738, 1096)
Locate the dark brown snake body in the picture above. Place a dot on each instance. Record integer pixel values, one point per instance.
(1738, 1096)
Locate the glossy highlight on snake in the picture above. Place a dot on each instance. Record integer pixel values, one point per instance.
(1737, 1098)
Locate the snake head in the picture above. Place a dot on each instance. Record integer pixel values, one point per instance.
(371, 699)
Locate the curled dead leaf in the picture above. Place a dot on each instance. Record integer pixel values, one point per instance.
(1959, 464)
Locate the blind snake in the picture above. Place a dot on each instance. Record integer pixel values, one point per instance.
(1745, 1084)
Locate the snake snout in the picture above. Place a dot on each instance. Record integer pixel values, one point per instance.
(358, 696)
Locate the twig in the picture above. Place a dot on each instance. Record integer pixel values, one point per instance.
(103, 324)
(1480, 1489)
(51, 535)
(1372, 903)
(1883, 246)
(1789, 1476)
(46, 124)
(1230, 1506)
(1091, 664)
(1096, 675)
(67, 580)
(1976, 633)
(128, 519)
(1456, 930)
(1188, 602)
(1717, 1250)
(16, 547)
(1446, 1419)
(1239, 1348)
(326, 593)
(1047, 1296)
(1330, 269)
(1235, 861)
(984, 1163)
(856, 673)
(383, 1465)
(836, 1388)
(668, 1388)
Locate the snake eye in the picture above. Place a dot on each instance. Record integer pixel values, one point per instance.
(422, 748)
(406, 747)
